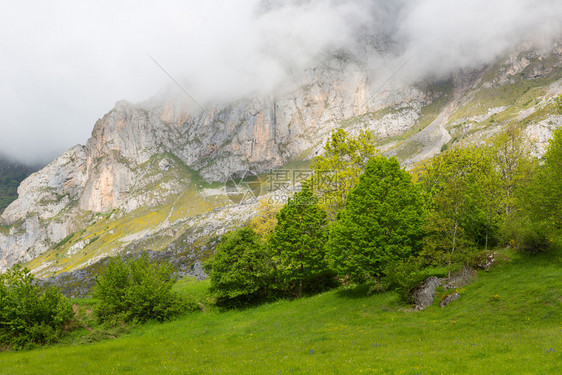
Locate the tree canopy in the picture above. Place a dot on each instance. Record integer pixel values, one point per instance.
(382, 222)
(241, 269)
(298, 241)
(337, 170)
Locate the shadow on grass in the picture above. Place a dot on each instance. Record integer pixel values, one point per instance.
(358, 291)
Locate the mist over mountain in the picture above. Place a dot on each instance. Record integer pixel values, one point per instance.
(65, 64)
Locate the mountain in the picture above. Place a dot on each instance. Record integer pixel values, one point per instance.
(158, 176)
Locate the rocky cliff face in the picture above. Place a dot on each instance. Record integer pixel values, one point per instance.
(152, 159)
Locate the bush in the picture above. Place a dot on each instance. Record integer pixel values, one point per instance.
(29, 314)
(522, 234)
(241, 271)
(136, 290)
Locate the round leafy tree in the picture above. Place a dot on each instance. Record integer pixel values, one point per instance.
(241, 269)
(381, 223)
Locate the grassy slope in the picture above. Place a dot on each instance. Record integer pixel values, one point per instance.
(508, 321)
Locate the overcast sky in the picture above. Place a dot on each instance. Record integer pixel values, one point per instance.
(65, 63)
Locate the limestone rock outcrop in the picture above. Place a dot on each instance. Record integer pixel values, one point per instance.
(145, 155)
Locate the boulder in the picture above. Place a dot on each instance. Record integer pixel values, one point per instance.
(448, 299)
(460, 278)
(487, 260)
(423, 295)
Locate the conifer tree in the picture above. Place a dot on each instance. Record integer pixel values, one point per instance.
(298, 242)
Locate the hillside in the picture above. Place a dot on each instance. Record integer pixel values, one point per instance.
(155, 175)
(507, 321)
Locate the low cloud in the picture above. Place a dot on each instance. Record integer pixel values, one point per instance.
(64, 65)
(447, 35)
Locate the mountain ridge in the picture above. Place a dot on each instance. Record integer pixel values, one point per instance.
(146, 162)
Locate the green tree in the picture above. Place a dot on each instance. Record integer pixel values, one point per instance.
(514, 169)
(136, 290)
(298, 242)
(266, 220)
(456, 182)
(381, 223)
(30, 315)
(514, 166)
(241, 270)
(338, 169)
(542, 200)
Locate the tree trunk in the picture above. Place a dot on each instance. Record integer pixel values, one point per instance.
(453, 249)
(300, 281)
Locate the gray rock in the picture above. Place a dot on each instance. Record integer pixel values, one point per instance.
(487, 260)
(450, 298)
(423, 295)
(461, 278)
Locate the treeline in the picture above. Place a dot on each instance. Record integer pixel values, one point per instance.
(361, 218)
(11, 175)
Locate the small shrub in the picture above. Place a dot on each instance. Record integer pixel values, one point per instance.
(30, 315)
(137, 290)
(63, 241)
(404, 276)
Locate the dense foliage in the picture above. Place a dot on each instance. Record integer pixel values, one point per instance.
(539, 221)
(29, 314)
(241, 271)
(266, 219)
(298, 242)
(456, 182)
(385, 228)
(136, 290)
(337, 170)
(381, 223)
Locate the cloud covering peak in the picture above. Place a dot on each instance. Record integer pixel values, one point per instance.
(65, 63)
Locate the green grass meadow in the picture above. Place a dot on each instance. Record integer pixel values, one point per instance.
(506, 322)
